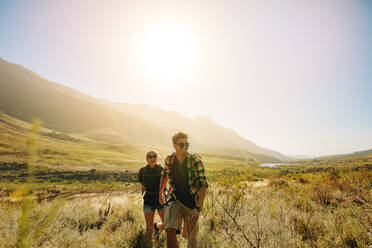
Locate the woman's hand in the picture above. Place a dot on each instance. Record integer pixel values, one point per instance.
(161, 198)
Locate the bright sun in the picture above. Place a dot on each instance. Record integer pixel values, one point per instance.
(168, 53)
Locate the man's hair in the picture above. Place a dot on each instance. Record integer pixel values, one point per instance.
(179, 135)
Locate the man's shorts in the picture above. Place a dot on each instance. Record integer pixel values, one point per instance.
(151, 208)
(175, 213)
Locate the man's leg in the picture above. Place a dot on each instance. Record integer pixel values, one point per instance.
(191, 231)
(172, 238)
(192, 239)
(172, 221)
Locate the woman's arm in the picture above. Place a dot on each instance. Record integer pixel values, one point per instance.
(140, 179)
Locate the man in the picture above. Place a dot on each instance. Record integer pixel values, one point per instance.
(188, 186)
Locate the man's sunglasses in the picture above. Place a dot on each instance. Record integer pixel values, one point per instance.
(152, 156)
(183, 144)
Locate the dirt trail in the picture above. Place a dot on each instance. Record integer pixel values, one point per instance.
(117, 198)
(260, 184)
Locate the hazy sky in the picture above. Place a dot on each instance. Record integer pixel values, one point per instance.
(291, 75)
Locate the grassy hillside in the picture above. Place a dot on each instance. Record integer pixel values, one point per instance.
(365, 152)
(329, 164)
(25, 142)
(38, 147)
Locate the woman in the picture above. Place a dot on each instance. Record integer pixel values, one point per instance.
(149, 177)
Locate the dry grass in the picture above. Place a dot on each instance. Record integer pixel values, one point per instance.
(301, 210)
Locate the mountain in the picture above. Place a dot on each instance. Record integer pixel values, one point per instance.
(216, 136)
(25, 95)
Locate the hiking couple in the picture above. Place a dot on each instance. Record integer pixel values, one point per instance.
(188, 185)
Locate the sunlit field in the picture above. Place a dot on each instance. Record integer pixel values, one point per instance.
(325, 209)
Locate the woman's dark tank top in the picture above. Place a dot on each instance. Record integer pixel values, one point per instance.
(150, 178)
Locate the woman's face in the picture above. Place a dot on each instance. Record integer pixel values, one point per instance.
(152, 158)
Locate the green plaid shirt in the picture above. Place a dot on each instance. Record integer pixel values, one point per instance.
(196, 171)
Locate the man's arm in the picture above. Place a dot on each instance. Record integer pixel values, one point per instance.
(202, 190)
(203, 184)
(195, 212)
(202, 194)
(164, 180)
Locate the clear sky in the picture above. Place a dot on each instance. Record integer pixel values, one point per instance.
(291, 75)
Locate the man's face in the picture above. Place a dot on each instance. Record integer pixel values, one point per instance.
(151, 158)
(181, 146)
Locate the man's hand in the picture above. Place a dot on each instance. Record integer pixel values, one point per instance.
(161, 198)
(143, 188)
(194, 216)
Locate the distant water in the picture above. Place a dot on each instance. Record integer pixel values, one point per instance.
(272, 165)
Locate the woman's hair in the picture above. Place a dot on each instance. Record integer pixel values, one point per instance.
(179, 135)
(148, 153)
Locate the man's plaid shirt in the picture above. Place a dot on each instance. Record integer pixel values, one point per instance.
(196, 171)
